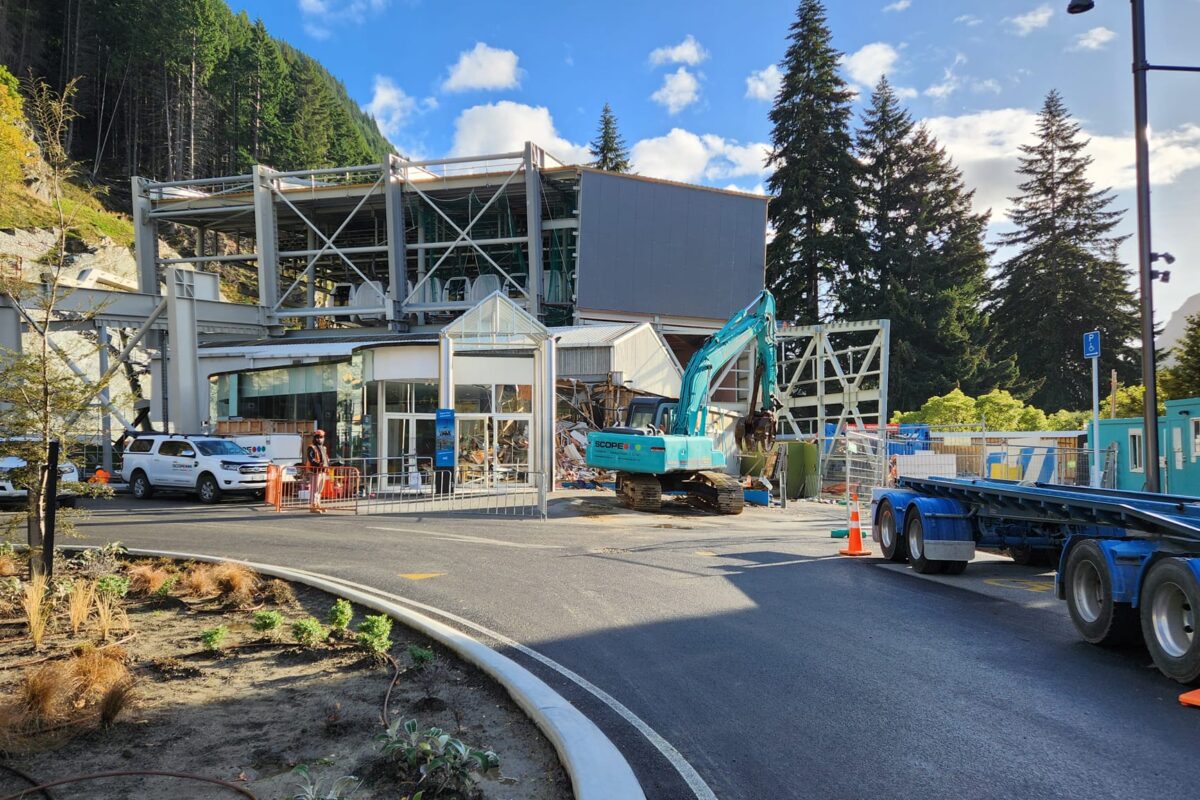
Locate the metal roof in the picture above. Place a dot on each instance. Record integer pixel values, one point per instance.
(593, 335)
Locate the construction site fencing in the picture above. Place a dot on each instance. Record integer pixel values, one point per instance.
(852, 464)
(409, 485)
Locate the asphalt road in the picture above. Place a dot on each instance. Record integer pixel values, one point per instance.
(776, 668)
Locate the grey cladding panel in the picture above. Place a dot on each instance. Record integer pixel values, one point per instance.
(654, 248)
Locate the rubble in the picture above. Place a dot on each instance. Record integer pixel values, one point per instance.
(570, 454)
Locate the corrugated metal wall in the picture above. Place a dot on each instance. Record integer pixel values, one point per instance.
(655, 248)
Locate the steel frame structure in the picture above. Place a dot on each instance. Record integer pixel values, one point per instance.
(832, 373)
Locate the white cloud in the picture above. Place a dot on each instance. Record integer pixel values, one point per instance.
(989, 85)
(390, 105)
(951, 81)
(685, 156)
(986, 146)
(906, 92)
(1095, 39)
(321, 16)
(689, 52)
(1027, 23)
(970, 20)
(756, 189)
(679, 90)
(483, 67)
(899, 5)
(865, 65)
(764, 84)
(505, 126)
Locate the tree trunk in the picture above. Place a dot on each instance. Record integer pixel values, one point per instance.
(191, 173)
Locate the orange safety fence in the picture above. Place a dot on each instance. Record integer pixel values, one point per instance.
(304, 488)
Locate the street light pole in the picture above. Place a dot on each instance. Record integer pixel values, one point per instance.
(1141, 123)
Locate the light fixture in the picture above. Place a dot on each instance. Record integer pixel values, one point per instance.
(1167, 257)
(1163, 275)
(1080, 6)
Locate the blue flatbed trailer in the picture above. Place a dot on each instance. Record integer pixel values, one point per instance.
(1128, 563)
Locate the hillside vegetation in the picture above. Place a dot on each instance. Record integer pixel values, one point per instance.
(185, 88)
(21, 206)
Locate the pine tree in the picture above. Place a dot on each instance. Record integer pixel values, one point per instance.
(922, 262)
(813, 206)
(1183, 379)
(1065, 278)
(608, 149)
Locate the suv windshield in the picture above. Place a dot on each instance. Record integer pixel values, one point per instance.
(221, 447)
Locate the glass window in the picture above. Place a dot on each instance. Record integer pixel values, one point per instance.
(176, 448)
(425, 397)
(1195, 439)
(396, 398)
(141, 445)
(514, 399)
(221, 447)
(472, 398)
(410, 397)
(1135, 452)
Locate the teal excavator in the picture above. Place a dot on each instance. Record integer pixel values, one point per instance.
(662, 446)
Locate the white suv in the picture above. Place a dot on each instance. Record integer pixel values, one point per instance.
(11, 491)
(206, 465)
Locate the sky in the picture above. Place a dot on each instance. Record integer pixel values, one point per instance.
(691, 84)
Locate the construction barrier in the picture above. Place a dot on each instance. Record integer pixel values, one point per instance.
(304, 488)
(855, 545)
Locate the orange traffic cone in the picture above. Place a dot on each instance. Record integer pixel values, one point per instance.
(856, 543)
(1190, 698)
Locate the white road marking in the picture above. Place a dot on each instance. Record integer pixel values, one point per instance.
(458, 537)
(681, 765)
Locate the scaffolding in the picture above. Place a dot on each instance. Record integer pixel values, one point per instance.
(402, 245)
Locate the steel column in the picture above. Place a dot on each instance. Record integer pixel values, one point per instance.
(533, 222)
(393, 197)
(145, 238)
(266, 238)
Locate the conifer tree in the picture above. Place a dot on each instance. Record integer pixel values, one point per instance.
(1065, 278)
(1183, 378)
(608, 148)
(922, 262)
(813, 207)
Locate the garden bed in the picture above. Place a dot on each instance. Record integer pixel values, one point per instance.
(215, 672)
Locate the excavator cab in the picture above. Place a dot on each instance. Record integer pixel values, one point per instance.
(651, 412)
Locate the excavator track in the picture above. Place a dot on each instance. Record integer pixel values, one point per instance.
(719, 492)
(640, 492)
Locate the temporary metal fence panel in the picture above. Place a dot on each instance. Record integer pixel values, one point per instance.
(409, 485)
(852, 464)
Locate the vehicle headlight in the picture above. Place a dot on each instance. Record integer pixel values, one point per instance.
(231, 466)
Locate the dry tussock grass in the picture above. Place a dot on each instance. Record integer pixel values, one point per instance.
(38, 607)
(146, 578)
(79, 604)
(199, 581)
(45, 694)
(110, 616)
(95, 671)
(238, 584)
(280, 592)
(114, 701)
(9, 565)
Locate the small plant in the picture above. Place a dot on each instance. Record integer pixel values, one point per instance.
(39, 610)
(266, 622)
(311, 789)
(9, 565)
(340, 614)
(309, 632)
(109, 616)
(164, 589)
(96, 670)
(375, 632)
(198, 581)
(420, 656)
(79, 604)
(114, 701)
(237, 583)
(112, 586)
(147, 578)
(444, 763)
(97, 561)
(45, 693)
(214, 638)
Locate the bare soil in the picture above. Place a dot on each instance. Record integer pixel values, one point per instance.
(254, 712)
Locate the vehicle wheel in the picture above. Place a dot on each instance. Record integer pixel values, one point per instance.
(953, 567)
(890, 540)
(914, 535)
(1023, 555)
(207, 489)
(139, 486)
(1089, 598)
(1170, 610)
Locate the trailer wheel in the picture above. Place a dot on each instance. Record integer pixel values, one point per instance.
(953, 567)
(914, 535)
(1089, 599)
(891, 542)
(1170, 612)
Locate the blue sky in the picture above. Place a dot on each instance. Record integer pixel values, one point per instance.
(690, 83)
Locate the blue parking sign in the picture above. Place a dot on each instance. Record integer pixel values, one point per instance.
(1091, 344)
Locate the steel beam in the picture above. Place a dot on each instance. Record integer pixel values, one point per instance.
(393, 196)
(266, 237)
(533, 223)
(183, 361)
(145, 238)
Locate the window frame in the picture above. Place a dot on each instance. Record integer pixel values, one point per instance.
(1195, 430)
(1136, 450)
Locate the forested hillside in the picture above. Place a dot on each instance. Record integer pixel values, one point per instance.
(184, 88)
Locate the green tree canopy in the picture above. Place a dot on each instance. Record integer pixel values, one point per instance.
(608, 148)
(1183, 379)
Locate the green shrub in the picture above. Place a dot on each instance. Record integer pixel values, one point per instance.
(266, 621)
(112, 586)
(421, 656)
(374, 633)
(164, 591)
(340, 614)
(312, 789)
(309, 631)
(435, 758)
(214, 638)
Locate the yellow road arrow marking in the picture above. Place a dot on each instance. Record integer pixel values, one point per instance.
(420, 576)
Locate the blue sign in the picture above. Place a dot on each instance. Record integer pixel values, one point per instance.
(1091, 344)
(444, 439)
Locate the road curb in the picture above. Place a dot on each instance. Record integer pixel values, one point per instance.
(597, 769)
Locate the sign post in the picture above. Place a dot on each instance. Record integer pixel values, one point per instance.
(1091, 349)
(443, 461)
